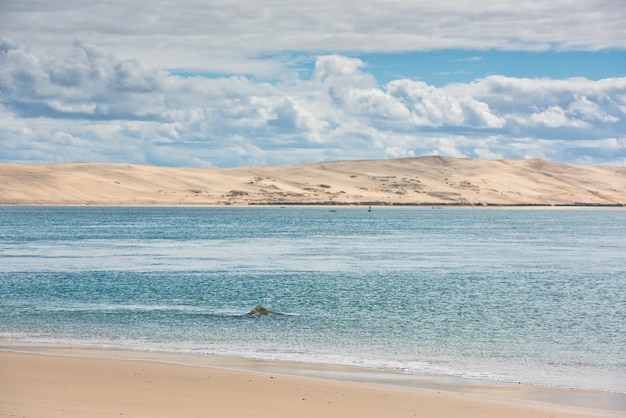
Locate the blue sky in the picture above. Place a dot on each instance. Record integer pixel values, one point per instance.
(446, 66)
(220, 84)
(461, 66)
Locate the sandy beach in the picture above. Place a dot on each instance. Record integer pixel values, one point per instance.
(409, 181)
(40, 385)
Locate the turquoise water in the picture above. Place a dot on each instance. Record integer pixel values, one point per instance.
(533, 296)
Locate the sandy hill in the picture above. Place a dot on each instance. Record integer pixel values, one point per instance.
(410, 181)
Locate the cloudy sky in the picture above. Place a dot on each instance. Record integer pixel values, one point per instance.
(214, 83)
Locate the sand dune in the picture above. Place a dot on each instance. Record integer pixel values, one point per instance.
(410, 181)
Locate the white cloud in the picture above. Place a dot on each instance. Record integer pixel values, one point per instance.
(396, 152)
(555, 117)
(588, 110)
(76, 108)
(336, 66)
(435, 107)
(487, 154)
(238, 37)
(81, 103)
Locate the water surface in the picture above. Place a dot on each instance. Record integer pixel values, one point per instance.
(533, 296)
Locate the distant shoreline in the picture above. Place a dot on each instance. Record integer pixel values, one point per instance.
(332, 205)
(410, 182)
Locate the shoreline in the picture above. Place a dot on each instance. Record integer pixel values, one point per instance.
(526, 400)
(529, 206)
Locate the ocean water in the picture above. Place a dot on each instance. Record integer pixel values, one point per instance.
(532, 296)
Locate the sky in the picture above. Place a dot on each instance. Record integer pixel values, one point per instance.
(214, 83)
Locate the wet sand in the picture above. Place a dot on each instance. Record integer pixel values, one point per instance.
(79, 383)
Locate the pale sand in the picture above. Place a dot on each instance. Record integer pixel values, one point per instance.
(411, 181)
(36, 385)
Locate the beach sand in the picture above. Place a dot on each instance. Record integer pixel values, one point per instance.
(408, 181)
(44, 385)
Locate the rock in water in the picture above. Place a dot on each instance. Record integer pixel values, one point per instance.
(260, 310)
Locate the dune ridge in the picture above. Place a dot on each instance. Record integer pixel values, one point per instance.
(410, 181)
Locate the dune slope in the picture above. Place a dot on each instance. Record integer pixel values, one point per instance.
(410, 181)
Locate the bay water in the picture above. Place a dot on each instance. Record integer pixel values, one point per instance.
(532, 296)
